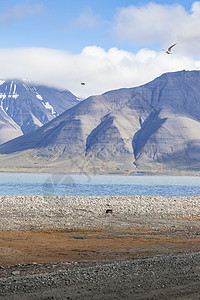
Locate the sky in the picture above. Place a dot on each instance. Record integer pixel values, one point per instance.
(108, 44)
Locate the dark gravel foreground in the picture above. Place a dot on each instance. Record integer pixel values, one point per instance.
(159, 277)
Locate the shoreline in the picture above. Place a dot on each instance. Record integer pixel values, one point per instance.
(151, 174)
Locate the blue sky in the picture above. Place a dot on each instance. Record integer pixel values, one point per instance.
(67, 25)
(109, 44)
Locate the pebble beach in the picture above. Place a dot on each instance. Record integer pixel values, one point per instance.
(23, 212)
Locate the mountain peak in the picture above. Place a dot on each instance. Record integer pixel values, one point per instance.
(29, 106)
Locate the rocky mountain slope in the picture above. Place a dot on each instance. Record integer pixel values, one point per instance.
(154, 128)
(25, 106)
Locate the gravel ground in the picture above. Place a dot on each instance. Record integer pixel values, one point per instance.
(157, 277)
(160, 277)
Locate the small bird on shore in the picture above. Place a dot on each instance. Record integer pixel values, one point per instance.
(169, 50)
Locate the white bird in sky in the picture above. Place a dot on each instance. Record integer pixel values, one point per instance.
(169, 50)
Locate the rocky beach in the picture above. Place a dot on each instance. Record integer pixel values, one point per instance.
(133, 247)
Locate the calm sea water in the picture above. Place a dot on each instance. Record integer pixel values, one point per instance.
(23, 184)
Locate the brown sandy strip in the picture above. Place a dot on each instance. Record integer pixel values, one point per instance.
(52, 246)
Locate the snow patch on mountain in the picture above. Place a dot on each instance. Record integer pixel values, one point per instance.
(3, 96)
(50, 107)
(39, 97)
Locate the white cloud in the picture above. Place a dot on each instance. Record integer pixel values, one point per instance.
(86, 19)
(101, 70)
(161, 25)
(20, 10)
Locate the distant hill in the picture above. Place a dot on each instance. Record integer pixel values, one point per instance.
(25, 106)
(153, 128)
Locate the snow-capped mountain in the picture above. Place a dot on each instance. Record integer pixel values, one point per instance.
(151, 128)
(25, 106)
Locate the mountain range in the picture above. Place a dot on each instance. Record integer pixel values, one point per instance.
(150, 129)
(25, 106)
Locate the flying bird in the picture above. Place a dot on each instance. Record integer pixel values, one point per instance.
(82, 83)
(169, 50)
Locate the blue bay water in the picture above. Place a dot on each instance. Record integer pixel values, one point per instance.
(23, 184)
